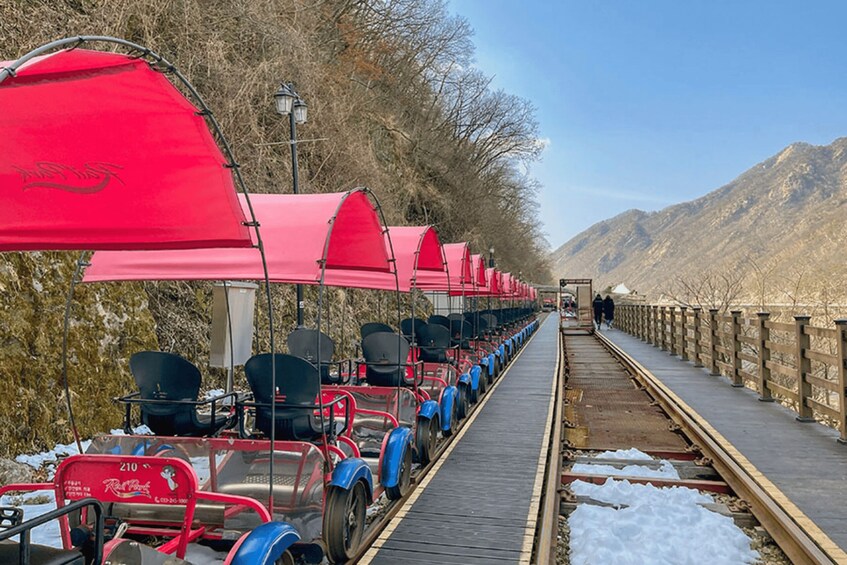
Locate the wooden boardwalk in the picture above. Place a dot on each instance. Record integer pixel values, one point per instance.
(480, 503)
(802, 460)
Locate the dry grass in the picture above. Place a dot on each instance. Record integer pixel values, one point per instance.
(235, 53)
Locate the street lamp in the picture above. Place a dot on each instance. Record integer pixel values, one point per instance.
(288, 103)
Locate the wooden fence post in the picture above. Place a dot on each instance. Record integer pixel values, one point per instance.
(713, 342)
(644, 317)
(736, 349)
(764, 358)
(654, 326)
(663, 328)
(672, 336)
(804, 367)
(683, 339)
(698, 350)
(840, 326)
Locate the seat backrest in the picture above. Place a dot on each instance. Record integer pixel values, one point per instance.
(374, 327)
(386, 354)
(408, 324)
(460, 332)
(434, 336)
(165, 376)
(491, 320)
(297, 380)
(441, 320)
(303, 343)
(298, 384)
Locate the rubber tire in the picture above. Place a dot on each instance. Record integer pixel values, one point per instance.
(343, 508)
(483, 386)
(474, 394)
(454, 419)
(404, 484)
(462, 404)
(426, 439)
(285, 559)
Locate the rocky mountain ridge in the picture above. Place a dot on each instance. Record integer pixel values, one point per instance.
(782, 219)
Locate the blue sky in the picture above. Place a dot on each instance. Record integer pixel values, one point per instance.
(651, 102)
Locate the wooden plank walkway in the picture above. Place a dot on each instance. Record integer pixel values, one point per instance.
(802, 460)
(479, 504)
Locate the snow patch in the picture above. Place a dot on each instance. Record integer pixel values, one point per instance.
(665, 471)
(657, 526)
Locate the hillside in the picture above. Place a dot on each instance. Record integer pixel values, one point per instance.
(394, 104)
(779, 227)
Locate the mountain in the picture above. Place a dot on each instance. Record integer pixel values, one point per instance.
(778, 224)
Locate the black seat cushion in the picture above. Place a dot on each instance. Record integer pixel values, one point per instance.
(305, 343)
(410, 326)
(440, 320)
(374, 327)
(165, 376)
(434, 340)
(297, 388)
(460, 333)
(385, 354)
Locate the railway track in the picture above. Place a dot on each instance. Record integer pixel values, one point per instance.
(608, 401)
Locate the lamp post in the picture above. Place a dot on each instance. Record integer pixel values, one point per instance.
(288, 103)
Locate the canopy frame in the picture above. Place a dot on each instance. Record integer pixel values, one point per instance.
(157, 59)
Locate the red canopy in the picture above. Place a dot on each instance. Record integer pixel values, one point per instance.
(419, 257)
(495, 282)
(506, 290)
(299, 231)
(480, 277)
(459, 264)
(99, 151)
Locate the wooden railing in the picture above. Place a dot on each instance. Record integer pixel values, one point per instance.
(800, 365)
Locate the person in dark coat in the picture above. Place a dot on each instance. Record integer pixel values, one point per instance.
(609, 311)
(598, 310)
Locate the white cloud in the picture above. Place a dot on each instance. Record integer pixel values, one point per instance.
(630, 195)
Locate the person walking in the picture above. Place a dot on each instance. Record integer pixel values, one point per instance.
(598, 310)
(609, 311)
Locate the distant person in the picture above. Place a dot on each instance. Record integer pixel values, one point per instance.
(598, 310)
(609, 311)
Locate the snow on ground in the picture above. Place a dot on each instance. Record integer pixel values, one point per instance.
(651, 525)
(40, 502)
(665, 471)
(35, 504)
(49, 459)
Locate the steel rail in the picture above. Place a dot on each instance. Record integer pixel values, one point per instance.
(788, 531)
(547, 531)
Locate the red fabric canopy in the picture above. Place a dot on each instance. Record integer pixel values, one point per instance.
(480, 278)
(506, 290)
(99, 151)
(495, 282)
(424, 243)
(419, 257)
(298, 231)
(459, 264)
